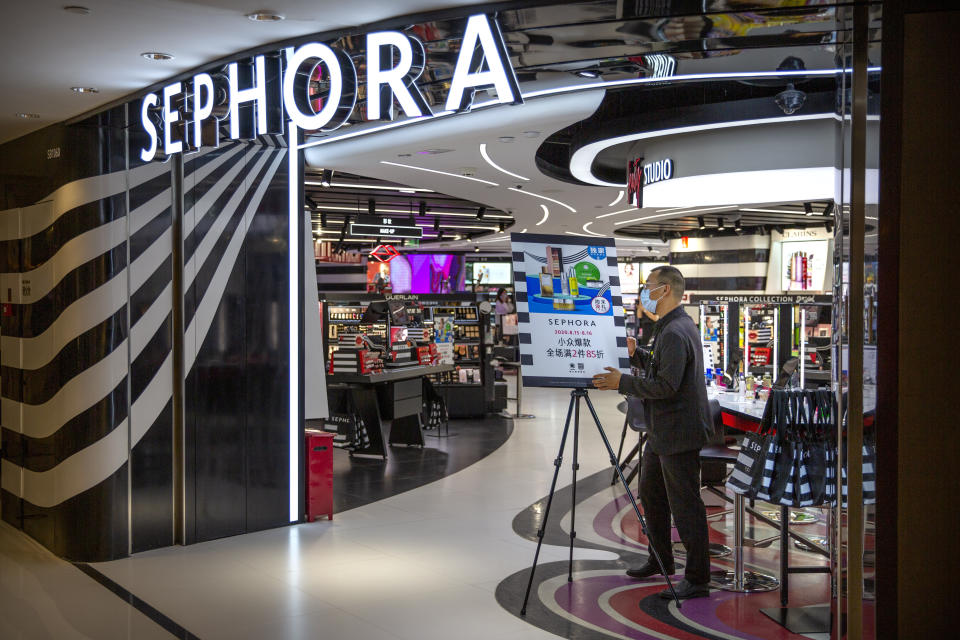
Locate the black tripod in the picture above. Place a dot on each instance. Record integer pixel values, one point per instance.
(574, 410)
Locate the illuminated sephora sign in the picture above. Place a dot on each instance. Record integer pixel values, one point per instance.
(258, 96)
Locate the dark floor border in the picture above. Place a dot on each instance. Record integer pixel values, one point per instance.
(169, 625)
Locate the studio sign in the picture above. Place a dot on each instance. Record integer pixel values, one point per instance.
(256, 95)
(640, 175)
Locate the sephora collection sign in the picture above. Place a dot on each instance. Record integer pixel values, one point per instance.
(569, 310)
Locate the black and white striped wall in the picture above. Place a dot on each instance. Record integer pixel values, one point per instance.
(342, 277)
(727, 264)
(89, 433)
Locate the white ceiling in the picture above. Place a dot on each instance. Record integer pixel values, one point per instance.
(47, 50)
(527, 125)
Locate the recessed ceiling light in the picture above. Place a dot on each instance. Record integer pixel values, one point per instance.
(84, 89)
(589, 73)
(156, 55)
(77, 9)
(265, 16)
(505, 139)
(433, 152)
(531, 134)
(28, 116)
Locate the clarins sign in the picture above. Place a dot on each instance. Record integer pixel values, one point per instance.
(256, 97)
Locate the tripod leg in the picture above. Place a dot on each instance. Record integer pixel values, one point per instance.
(623, 438)
(575, 466)
(546, 513)
(633, 501)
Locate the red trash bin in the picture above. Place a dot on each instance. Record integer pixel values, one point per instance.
(319, 457)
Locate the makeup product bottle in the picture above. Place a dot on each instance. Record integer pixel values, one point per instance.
(574, 285)
(546, 283)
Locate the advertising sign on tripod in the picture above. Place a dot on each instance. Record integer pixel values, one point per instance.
(569, 309)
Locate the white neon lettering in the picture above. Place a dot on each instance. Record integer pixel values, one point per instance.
(480, 31)
(201, 108)
(296, 85)
(169, 117)
(150, 100)
(399, 80)
(256, 94)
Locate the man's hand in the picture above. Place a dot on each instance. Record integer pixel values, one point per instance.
(609, 380)
(631, 346)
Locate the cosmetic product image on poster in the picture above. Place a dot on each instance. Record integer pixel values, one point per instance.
(570, 312)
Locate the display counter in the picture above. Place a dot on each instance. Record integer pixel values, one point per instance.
(361, 405)
(743, 413)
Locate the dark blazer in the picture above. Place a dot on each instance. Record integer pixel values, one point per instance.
(673, 388)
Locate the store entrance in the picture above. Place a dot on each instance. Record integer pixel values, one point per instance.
(731, 150)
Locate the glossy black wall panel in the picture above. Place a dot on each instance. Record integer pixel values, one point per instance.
(89, 527)
(86, 520)
(151, 484)
(215, 410)
(267, 359)
(237, 389)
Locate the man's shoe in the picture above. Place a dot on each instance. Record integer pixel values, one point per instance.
(647, 570)
(685, 591)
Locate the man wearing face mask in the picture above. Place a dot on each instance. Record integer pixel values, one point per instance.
(676, 412)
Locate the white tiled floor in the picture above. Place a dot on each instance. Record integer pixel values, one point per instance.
(417, 566)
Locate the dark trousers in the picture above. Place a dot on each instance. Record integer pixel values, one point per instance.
(671, 484)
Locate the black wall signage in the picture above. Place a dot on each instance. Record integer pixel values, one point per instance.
(377, 227)
(763, 299)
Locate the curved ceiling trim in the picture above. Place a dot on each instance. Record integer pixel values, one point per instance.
(581, 162)
(737, 188)
(578, 87)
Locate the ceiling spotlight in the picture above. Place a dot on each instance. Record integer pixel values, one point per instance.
(436, 224)
(480, 212)
(264, 16)
(737, 226)
(761, 231)
(503, 227)
(28, 116)
(372, 207)
(808, 208)
(720, 226)
(326, 176)
(323, 218)
(84, 89)
(828, 226)
(828, 210)
(156, 55)
(476, 248)
(440, 234)
(701, 222)
(663, 236)
(423, 208)
(778, 228)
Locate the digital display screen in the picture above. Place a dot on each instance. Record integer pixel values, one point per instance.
(633, 274)
(427, 273)
(490, 273)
